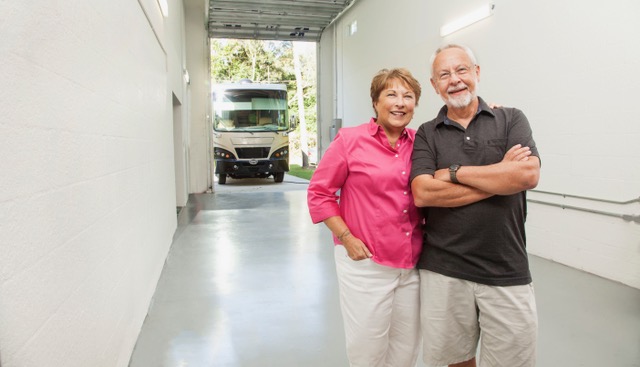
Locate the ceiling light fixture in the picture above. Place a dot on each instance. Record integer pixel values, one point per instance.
(467, 20)
(164, 7)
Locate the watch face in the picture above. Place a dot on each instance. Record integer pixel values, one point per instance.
(454, 167)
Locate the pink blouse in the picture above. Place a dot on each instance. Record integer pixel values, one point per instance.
(375, 198)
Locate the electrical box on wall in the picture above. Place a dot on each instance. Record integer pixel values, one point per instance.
(336, 125)
(353, 27)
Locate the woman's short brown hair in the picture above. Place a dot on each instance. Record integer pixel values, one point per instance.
(382, 79)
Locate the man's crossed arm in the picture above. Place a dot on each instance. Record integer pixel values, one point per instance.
(518, 171)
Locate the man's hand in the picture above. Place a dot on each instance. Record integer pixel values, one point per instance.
(442, 175)
(517, 153)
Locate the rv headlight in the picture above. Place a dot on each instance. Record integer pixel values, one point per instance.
(281, 153)
(222, 154)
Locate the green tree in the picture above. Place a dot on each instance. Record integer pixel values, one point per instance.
(233, 60)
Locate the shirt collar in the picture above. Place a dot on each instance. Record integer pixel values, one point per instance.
(482, 107)
(375, 129)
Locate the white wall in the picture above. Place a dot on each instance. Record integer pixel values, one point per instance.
(87, 196)
(326, 69)
(381, 41)
(571, 66)
(174, 26)
(197, 47)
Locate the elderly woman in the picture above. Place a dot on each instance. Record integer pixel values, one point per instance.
(375, 225)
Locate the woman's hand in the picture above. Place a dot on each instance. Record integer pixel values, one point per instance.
(356, 249)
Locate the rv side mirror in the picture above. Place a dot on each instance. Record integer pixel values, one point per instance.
(293, 122)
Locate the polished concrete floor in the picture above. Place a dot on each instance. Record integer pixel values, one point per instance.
(250, 282)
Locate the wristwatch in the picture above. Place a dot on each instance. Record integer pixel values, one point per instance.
(452, 172)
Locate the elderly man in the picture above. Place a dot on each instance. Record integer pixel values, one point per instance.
(471, 168)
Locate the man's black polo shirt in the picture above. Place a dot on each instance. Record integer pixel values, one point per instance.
(483, 242)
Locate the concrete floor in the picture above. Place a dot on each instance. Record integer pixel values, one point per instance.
(250, 282)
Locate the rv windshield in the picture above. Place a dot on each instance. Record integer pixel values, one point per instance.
(238, 110)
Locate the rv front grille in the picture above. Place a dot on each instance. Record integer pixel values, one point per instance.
(248, 153)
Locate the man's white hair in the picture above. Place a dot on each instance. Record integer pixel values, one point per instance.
(464, 48)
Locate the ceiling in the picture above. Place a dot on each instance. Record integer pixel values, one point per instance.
(284, 20)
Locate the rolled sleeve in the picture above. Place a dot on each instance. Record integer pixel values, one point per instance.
(327, 180)
(520, 130)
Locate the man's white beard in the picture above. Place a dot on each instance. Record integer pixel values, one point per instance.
(460, 101)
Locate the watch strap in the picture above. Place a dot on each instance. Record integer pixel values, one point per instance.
(453, 169)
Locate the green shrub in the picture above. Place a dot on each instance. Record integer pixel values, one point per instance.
(298, 171)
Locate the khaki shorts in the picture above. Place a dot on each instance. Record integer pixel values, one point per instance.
(455, 314)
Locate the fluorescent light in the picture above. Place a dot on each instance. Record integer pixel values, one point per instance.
(467, 20)
(164, 7)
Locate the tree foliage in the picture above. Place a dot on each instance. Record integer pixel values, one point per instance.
(260, 61)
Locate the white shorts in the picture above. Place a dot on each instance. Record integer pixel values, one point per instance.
(456, 313)
(381, 312)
